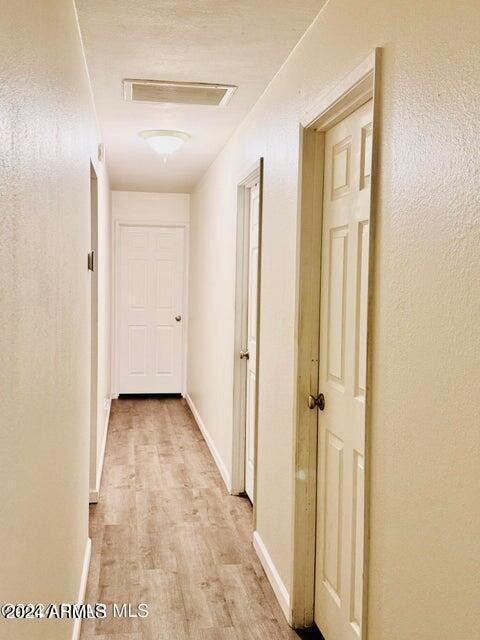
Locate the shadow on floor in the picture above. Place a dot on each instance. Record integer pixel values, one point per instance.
(309, 634)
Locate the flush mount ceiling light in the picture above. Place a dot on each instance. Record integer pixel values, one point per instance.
(163, 141)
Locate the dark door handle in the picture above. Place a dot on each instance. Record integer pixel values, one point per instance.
(316, 401)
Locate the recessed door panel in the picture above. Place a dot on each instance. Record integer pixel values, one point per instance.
(336, 303)
(332, 506)
(137, 283)
(165, 284)
(366, 156)
(250, 417)
(252, 316)
(357, 542)
(164, 351)
(341, 161)
(361, 308)
(137, 350)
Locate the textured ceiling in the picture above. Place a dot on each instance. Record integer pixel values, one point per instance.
(241, 42)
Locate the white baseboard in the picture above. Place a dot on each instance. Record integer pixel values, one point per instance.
(273, 576)
(95, 493)
(83, 587)
(211, 445)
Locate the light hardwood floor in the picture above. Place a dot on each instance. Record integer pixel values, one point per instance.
(166, 533)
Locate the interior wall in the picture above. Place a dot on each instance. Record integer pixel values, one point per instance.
(425, 444)
(211, 296)
(144, 206)
(104, 267)
(47, 137)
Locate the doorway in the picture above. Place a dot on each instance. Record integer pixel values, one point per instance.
(246, 332)
(330, 560)
(92, 265)
(150, 309)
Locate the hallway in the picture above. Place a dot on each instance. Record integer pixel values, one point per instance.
(166, 533)
(239, 302)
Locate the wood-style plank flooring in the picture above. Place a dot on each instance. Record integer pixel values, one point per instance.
(165, 532)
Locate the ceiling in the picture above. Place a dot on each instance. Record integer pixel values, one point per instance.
(240, 42)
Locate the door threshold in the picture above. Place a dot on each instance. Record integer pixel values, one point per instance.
(146, 396)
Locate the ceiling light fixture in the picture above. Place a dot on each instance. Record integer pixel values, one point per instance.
(164, 142)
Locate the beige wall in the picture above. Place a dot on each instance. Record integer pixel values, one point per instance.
(425, 516)
(47, 136)
(211, 296)
(143, 206)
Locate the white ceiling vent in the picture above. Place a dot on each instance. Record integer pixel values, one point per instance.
(217, 95)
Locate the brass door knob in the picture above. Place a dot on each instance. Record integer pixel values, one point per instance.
(316, 401)
(178, 318)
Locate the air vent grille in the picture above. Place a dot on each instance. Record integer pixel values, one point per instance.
(192, 93)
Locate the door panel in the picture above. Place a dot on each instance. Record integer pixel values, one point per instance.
(252, 339)
(137, 349)
(342, 376)
(332, 507)
(336, 304)
(150, 292)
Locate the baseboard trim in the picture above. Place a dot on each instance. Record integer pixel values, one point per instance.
(273, 576)
(211, 445)
(95, 493)
(83, 587)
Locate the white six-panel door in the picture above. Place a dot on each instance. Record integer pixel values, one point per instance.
(342, 377)
(252, 340)
(150, 309)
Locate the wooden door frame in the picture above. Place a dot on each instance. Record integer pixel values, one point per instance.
(93, 332)
(331, 107)
(126, 222)
(251, 177)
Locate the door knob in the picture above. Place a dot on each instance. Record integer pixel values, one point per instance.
(316, 401)
(244, 354)
(178, 318)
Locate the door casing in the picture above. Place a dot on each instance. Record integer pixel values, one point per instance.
(332, 106)
(124, 222)
(93, 329)
(251, 177)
